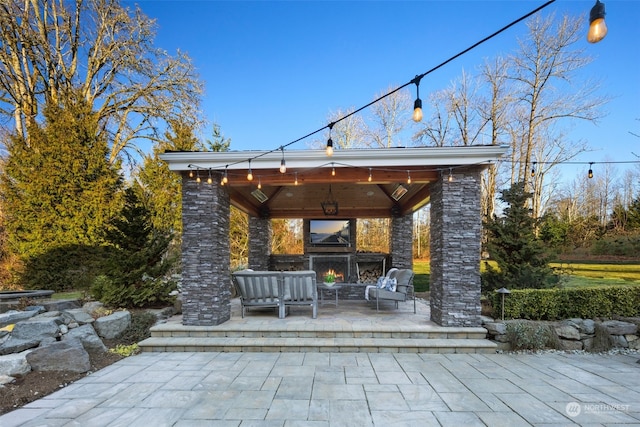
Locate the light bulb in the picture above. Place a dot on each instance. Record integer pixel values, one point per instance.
(417, 110)
(408, 178)
(190, 174)
(283, 166)
(333, 171)
(249, 176)
(597, 26)
(369, 179)
(225, 178)
(330, 147)
(259, 184)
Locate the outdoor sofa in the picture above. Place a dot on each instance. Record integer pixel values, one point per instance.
(275, 289)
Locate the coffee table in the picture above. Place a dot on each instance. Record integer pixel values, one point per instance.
(323, 288)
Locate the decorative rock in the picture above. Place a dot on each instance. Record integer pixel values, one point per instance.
(588, 327)
(617, 327)
(37, 308)
(5, 379)
(501, 338)
(72, 325)
(14, 364)
(61, 304)
(88, 337)
(67, 355)
(111, 326)
(15, 345)
(80, 316)
(36, 329)
(64, 329)
(495, 328)
(14, 316)
(619, 341)
(570, 345)
(567, 331)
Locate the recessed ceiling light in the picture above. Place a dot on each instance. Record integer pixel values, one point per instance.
(369, 193)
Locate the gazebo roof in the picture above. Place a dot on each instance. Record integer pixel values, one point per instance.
(364, 184)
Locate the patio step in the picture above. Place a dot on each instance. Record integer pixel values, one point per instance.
(371, 345)
(175, 337)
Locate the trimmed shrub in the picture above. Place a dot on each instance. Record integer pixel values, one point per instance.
(557, 304)
(525, 335)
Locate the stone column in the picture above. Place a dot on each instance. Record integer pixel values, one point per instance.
(206, 280)
(456, 227)
(401, 245)
(260, 234)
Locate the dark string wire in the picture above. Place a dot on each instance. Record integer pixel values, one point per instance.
(415, 80)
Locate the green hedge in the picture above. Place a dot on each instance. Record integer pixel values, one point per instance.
(556, 304)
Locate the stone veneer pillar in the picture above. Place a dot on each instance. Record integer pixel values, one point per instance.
(456, 227)
(206, 281)
(260, 233)
(401, 244)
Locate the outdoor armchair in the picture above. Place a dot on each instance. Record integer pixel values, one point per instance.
(258, 288)
(404, 290)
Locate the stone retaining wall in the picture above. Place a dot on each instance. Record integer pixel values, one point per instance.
(575, 334)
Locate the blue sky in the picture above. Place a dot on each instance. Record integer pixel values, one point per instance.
(274, 70)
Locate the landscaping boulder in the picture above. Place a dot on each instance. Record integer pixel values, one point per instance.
(78, 315)
(14, 364)
(15, 345)
(570, 345)
(67, 355)
(567, 331)
(92, 307)
(496, 328)
(37, 328)
(111, 326)
(61, 304)
(88, 337)
(14, 316)
(618, 327)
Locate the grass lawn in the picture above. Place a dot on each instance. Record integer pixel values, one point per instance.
(579, 274)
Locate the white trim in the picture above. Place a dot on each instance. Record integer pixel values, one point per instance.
(303, 159)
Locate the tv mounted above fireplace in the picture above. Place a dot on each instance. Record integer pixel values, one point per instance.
(329, 232)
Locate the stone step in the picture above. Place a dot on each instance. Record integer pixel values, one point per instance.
(253, 331)
(297, 344)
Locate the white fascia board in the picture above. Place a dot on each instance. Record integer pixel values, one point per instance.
(303, 159)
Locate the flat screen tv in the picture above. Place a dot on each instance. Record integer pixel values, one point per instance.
(329, 232)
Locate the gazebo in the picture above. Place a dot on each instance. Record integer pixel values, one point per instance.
(352, 183)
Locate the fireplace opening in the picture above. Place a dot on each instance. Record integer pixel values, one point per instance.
(323, 264)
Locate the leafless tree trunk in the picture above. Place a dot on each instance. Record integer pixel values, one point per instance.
(391, 115)
(48, 48)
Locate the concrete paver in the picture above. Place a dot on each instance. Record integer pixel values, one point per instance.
(347, 389)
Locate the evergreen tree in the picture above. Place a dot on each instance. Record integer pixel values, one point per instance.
(521, 257)
(136, 274)
(59, 188)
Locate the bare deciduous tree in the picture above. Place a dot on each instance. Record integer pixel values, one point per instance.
(391, 116)
(102, 49)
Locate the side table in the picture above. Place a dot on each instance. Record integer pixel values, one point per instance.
(323, 288)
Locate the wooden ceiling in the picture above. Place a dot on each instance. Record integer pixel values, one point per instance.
(357, 197)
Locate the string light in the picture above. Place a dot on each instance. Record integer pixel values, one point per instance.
(333, 170)
(259, 184)
(329, 149)
(198, 176)
(417, 105)
(191, 173)
(533, 170)
(209, 179)
(249, 174)
(283, 164)
(597, 26)
(590, 173)
(369, 179)
(415, 80)
(408, 178)
(225, 177)
(296, 181)
(450, 179)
